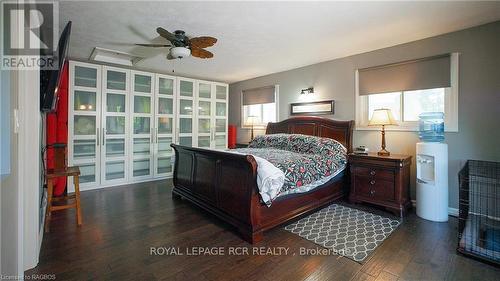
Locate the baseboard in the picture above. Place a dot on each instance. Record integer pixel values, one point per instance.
(451, 211)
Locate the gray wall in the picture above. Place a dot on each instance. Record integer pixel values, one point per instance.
(479, 95)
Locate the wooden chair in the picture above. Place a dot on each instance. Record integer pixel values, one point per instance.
(61, 170)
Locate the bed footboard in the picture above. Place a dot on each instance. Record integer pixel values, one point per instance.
(222, 183)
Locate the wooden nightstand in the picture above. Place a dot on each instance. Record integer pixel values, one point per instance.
(381, 180)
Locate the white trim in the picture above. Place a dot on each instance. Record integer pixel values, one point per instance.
(451, 211)
(29, 163)
(451, 104)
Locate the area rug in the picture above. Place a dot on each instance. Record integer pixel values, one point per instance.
(345, 231)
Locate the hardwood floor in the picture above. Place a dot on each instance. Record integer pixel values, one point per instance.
(121, 224)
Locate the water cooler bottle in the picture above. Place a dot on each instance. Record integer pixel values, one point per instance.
(432, 181)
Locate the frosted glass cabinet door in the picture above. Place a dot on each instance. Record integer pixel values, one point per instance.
(115, 170)
(143, 126)
(204, 90)
(204, 122)
(164, 165)
(115, 124)
(84, 122)
(185, 125)
(221, 92)
(165, 106)
(220, 116)
(186, 88)
(84, 125)
(142, 104)
(165, 125)
(116, 80)
(84, 149)
(87, 173)
(204, 126)
(220, 141)
(164, 145)
(115, 103)
(115, 147)
(142, 83)
(166, 103)
(85, 101)
(186, 109)
(141, 147)
(85, 76)
(165, 86)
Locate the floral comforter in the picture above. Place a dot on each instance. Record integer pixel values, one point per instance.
(303, 159)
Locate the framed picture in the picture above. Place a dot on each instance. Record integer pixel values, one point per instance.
(313, 108)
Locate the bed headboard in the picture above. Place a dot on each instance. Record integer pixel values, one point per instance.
(340, 131)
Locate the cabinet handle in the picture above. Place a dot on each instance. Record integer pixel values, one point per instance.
(156, 135)
(98, 137)
(372, 173)
(372, 182)
(103, 136)
(152, 135)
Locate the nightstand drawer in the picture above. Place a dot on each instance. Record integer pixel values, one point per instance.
(378, 174)
(379, 189)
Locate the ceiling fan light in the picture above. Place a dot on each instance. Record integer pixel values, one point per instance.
(180, 52)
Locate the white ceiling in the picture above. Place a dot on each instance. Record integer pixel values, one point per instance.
(256, 39)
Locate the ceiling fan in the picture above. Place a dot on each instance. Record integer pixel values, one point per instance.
(183, 46)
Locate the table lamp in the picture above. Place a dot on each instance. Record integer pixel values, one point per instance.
(251, 121)
(382, 117)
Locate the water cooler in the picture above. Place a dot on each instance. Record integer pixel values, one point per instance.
(432, 181)
(432, 168)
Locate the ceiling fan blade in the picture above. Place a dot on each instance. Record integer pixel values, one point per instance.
(202, 41)
(154, 45)
(165, 34)
(201, 53)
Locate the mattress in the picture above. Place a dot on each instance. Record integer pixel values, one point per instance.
(314, 186)
(300, 162)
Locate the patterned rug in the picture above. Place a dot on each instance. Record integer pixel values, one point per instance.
(345, 231)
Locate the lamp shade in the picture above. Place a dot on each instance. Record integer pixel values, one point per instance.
(381, 117)
(251, 120)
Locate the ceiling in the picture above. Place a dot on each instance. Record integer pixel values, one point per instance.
(259, 38)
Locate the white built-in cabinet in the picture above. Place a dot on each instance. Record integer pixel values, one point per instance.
(121, 122)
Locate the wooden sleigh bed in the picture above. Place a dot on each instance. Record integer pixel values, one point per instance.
(225, 183)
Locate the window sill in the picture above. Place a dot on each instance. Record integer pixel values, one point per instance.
(396, 129)
(254, 127)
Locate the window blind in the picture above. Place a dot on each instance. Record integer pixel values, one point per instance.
(259, 95)
(420, 74)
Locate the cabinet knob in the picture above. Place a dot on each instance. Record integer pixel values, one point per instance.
(372, 182)
(372, 173)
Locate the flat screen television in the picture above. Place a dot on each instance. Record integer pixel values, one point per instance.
(50, 79)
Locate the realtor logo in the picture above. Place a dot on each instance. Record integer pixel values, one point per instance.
(29, 33)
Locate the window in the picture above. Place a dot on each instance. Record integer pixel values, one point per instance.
(407, 105)
(259, 107)
(391, 101)
(260, 114)
(374, 85)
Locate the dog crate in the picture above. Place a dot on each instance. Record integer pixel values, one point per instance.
(479, 211)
